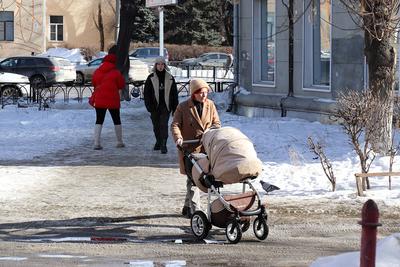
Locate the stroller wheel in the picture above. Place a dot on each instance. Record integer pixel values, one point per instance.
(260, 228)
(245, 226)
(200, 225)
(233, 232)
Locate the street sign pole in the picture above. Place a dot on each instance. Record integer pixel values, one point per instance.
(161, 29)
(160, 4)
(118, 15)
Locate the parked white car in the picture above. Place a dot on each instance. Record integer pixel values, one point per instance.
(214, 59)
(148, 54)
(138, 70)
(12, 84)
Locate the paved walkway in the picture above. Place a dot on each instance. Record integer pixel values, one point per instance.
(70, 197)
(137, 135)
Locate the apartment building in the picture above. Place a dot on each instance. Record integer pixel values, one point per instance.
(33, 26)
(327, 52)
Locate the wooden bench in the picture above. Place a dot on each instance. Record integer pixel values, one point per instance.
(361, 179)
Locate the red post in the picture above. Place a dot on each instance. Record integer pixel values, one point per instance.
(369, 222)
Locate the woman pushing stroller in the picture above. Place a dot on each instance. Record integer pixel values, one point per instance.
(191, 119)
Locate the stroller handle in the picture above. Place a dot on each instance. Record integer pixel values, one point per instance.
(186, 142)
(193, 141)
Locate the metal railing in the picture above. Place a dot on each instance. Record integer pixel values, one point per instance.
(35, 95)
(25, 95)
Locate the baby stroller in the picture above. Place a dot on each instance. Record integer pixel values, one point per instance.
(230, 158)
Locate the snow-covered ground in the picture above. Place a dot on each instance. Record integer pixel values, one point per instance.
(281, 144)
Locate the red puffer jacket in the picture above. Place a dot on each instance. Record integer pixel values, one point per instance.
(107, 81)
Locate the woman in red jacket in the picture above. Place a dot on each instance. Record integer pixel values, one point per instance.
(107, 81)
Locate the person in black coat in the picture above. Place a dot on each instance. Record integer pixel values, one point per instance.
(161, 99)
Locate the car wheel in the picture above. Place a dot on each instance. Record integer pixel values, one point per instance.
(80, 79)
(10, 91)
(38, 81)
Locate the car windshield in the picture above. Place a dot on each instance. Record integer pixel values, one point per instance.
(9, 62)
(96, 62)
(148, 52)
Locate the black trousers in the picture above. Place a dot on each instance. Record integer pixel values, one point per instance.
(101, 114)
(160, 124)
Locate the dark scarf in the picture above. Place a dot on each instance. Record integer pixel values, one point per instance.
(199, 107)
(161, 76)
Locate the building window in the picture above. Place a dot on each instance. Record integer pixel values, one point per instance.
(317, 45)
(264, 41)
(56, 28)
(6, 26)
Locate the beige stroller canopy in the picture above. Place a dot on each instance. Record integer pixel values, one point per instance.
(231, 154)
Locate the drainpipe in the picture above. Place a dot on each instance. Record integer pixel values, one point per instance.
(236, 53)
(291, 49)
(236, 39)
(291, 57)
(44, 28)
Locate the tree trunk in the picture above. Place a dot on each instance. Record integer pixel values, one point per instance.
(380, 56)
(127, 17)
(100, 27)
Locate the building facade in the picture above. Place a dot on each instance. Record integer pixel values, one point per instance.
(327, 58)
(33, 26)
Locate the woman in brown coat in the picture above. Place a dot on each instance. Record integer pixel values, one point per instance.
(191, 118)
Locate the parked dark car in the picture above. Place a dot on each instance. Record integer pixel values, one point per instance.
(148, 54)
(42, 71)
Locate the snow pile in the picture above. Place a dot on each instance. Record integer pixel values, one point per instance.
(387, 255)
(73, 55)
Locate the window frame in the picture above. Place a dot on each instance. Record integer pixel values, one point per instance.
(308, 82)
(56, 26)
(257, 30)
(7, 25)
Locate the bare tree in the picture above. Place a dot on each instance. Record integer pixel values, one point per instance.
(326, 165)
(379, 19)
(356, 114)
(128, 13)
(98, 22)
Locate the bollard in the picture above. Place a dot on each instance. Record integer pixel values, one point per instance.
(369, 222)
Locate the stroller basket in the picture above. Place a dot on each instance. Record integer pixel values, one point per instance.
(220, 216)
